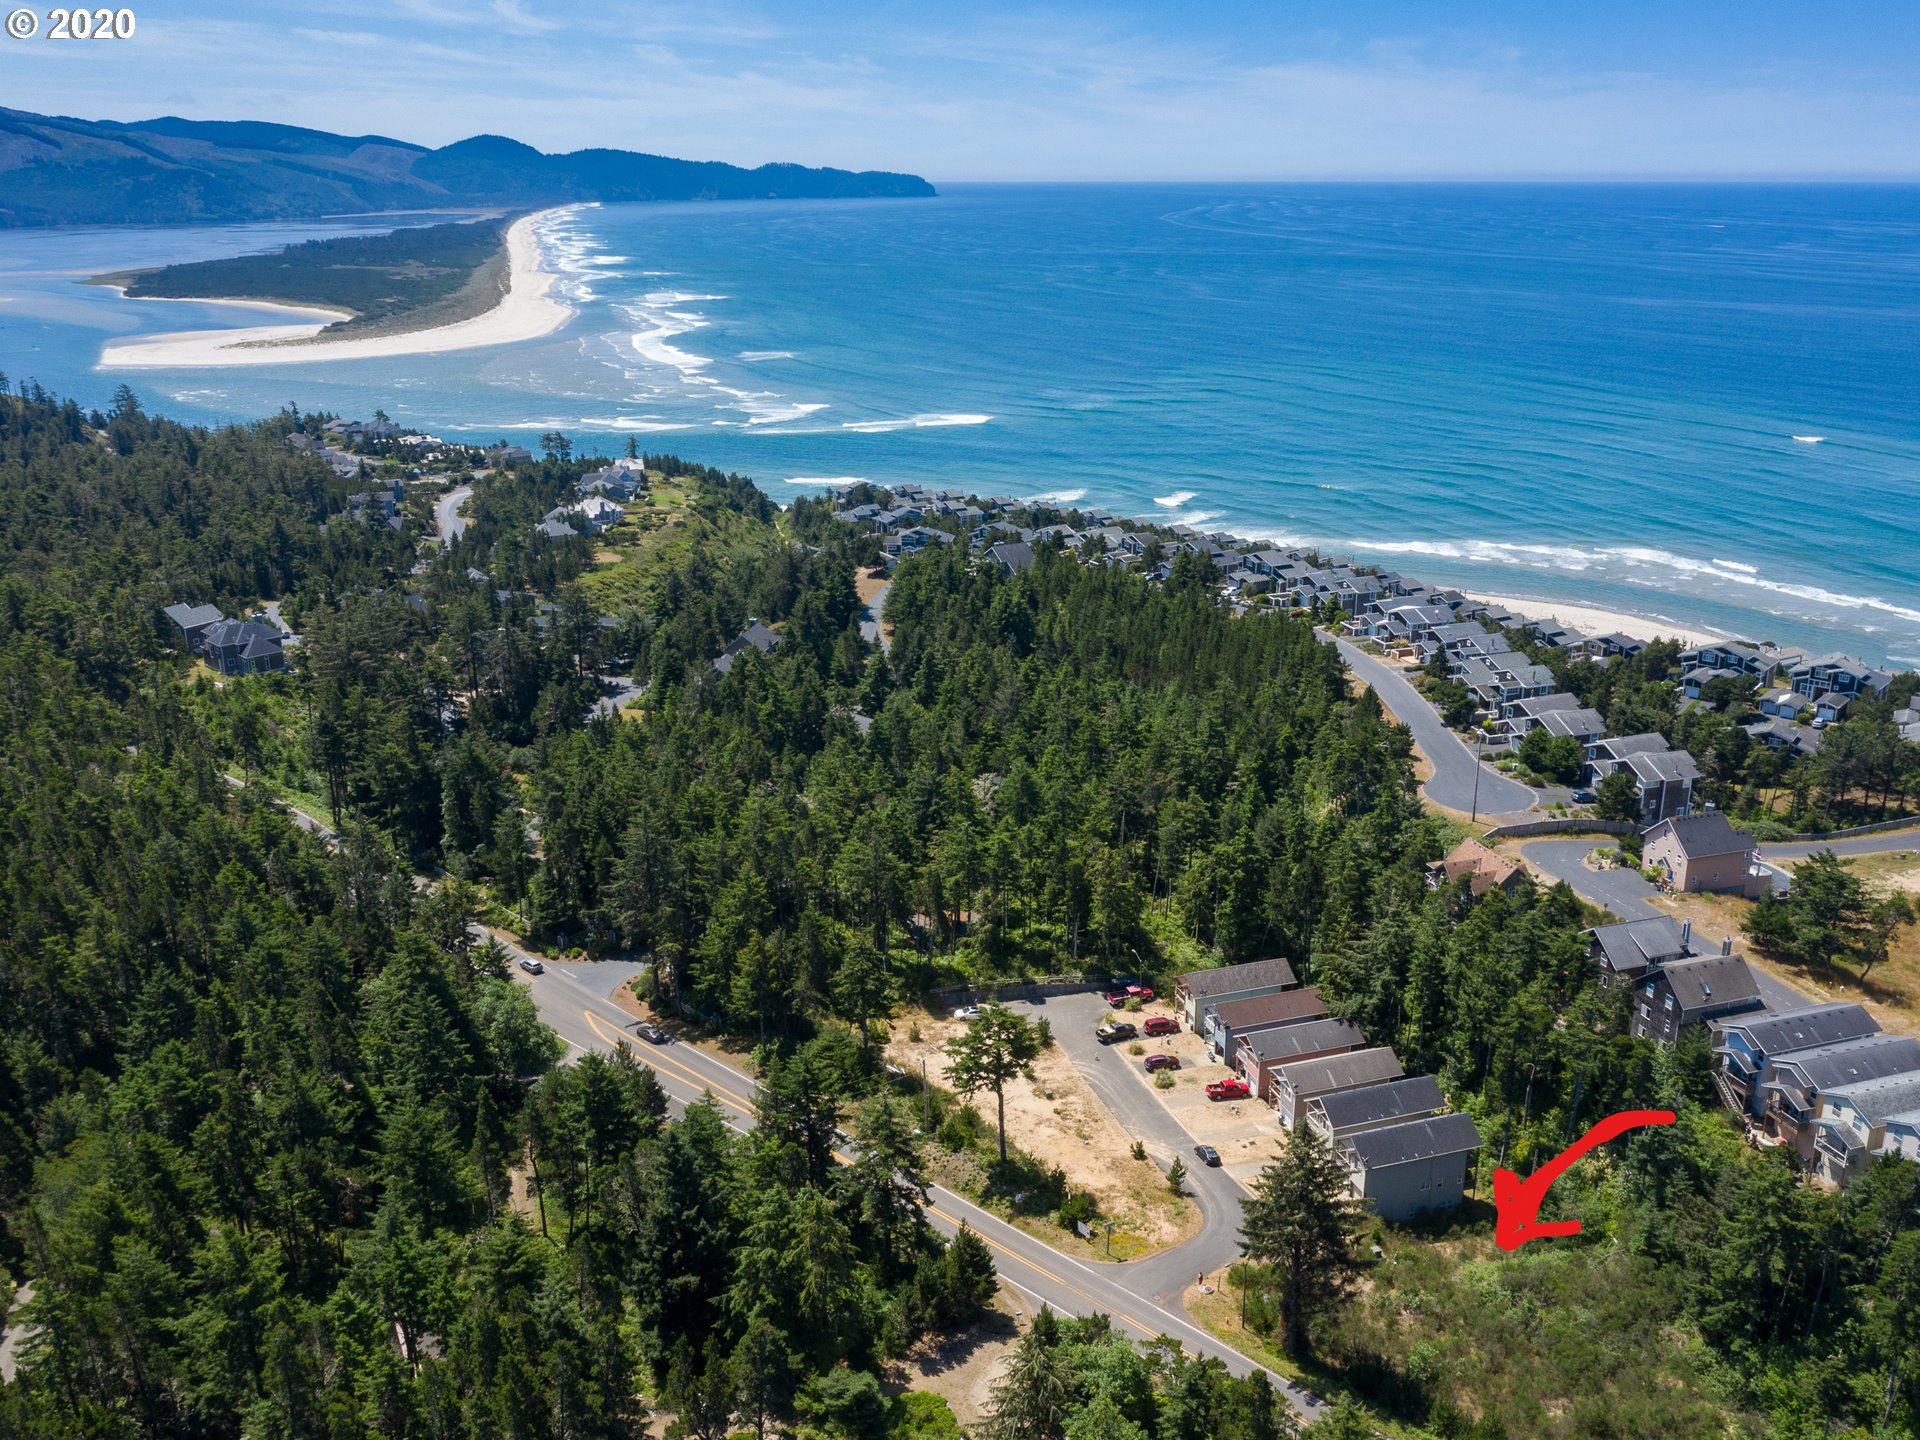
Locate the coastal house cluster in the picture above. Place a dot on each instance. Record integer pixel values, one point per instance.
(1403, 1150)
(1512, 695)
(599, 507)
(1824, 1080)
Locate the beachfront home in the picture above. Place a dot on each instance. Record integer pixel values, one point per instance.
(1703, 854)
(1558, 714)
(1842, 674)
(1198, 992)
(1402, 1170)
(1293, 1086)
(508, 455)
(1692, 991)
(1010, 557)
(1258, 1055)
(1751, 1046)
(1231, 1021)
(1472, 859)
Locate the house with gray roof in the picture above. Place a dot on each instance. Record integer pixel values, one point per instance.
(1704, 854)
(1860, 1121)
(1622, 952)
(1197, 992)
(1692, 991)
(192, 622)
(1295, 1085)
(1011, 557)
(1369, 1107)
(1257, 1056)
(756, 637)
(1789, 1096)
(1232, 1019)
(1748, 1045)
(1401, 1170)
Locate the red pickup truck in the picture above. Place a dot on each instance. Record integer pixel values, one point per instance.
(1118, 998)
(1230, 1089)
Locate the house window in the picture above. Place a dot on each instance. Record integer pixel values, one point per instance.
(1669, 1002)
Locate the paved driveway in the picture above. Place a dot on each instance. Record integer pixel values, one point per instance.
(1459, 781)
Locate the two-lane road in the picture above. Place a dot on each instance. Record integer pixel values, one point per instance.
(1459, 782)
(586, 1021)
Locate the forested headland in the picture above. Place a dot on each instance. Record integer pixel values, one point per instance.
(284, 1151)
(410, 278)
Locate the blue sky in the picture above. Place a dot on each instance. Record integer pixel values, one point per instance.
(962, 91)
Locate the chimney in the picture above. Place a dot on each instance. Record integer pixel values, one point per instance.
(1726, 944)
(1686, 936)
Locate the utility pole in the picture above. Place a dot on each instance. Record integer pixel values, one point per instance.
(926, 1088)
(1477, 762)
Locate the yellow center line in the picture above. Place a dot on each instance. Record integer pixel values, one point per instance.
(735, 1102)
(679, 1071)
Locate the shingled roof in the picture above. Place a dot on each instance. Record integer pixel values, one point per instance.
(1252, 975)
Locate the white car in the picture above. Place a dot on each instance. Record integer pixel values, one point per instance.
(967, 1012)
(532, 966)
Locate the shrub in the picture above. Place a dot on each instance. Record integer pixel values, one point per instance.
(1139, 1150)
(960, 1129)
(1177, 1176)
(1163, 1080)
(1136, 1048)
(1075, 1209)
(1044, 1030)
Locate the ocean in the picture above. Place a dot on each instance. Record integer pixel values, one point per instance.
(1684, 401)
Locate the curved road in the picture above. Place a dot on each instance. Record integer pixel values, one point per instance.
(1889, 842)
(1130, 1294)
(446, 514)
(1454, 783)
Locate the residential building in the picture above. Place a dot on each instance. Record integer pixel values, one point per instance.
(243, 647)
(756, 636)
(1789, 1098)
(1237, 1018)
(1292, 1087)
(1471, 858)
(1258, 1055)
(1623, 952)
(1749, 1046)
(1699, 854)
(1842, 674)
(1197, 992)
(1401, 1170)
(1370, 1107)
(1011, 557)
(1864, 1119)
(192, 622)
(1679, 993)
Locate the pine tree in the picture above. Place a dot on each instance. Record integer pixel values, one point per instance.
(1034, 1398)
(1300, 1223)
(994, 1049)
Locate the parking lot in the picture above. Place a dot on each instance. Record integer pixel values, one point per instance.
(1174, 1119)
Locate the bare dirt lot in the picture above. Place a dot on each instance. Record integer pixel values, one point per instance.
(961, 1369)
(1056, 1118)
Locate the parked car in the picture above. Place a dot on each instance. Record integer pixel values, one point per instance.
(1232, 1088)
(1208, 1155)
(1115, 1031)
(1585, 797)
(967, 1012)
(1121, 994)
(1162, 1062)
(651, 1033)
(1163, 1025)
(532, 966)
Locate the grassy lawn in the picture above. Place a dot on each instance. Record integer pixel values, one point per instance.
(662, 527)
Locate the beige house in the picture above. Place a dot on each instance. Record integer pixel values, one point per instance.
(1698, 854)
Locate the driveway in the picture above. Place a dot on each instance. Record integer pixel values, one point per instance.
(1459, 781)
(870, 630)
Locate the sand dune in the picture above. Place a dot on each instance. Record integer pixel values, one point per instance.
(526, 312)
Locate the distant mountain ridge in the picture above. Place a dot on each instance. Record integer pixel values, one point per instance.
(60, 171)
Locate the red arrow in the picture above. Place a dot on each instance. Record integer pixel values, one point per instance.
(1517, 1202)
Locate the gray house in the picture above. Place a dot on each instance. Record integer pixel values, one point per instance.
(1401, 1170)
(1680, 993)
(1749, 1046)
(1296, 1086)
(1790, 1096)
(1370, 1107)
(1236, 1018)
(1258, 1055)
(192, 622)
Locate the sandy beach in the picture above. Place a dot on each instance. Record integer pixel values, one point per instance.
(1592, 620)
(526, 312)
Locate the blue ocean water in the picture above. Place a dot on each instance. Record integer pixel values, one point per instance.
(1692, 402)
